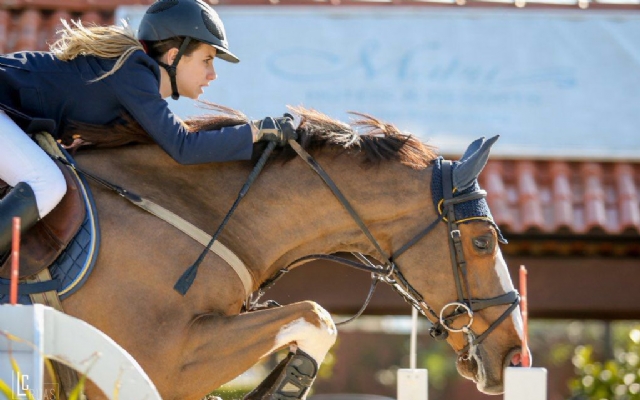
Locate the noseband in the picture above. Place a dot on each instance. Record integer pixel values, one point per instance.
(389, 272)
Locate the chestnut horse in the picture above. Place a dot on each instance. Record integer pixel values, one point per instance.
(450, 268)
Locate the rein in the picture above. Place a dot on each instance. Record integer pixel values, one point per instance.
(389, 273)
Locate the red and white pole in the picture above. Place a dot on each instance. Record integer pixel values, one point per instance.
(525, 383)
(526, 358)
(15, 261)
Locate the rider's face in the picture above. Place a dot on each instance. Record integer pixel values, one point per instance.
(195, 71)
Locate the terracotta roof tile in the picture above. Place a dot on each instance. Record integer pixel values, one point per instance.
(71, 5)
(562, 198)
(529, 196)
(33, 28)
(557, 197)
(594, 197)
(5, 17)
(28, 26)
(629, 198)
(32, 24)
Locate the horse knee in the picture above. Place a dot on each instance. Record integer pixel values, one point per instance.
(321, 318)
(314, 332)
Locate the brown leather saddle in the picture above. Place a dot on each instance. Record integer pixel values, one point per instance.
(42, 244)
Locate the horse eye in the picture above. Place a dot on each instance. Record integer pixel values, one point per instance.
(482, 243)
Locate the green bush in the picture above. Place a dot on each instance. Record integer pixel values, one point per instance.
(616, 379)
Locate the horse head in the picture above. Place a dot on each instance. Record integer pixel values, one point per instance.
(467, 293)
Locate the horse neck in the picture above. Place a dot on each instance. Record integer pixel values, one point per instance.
(291, 212)
(288, 212)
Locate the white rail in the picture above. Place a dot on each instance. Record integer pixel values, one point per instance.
(28, 334)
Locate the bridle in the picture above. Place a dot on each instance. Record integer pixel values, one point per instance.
(389, 273)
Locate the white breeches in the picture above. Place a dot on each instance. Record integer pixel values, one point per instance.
(22, 160)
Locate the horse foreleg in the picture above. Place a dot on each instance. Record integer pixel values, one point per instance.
(222, 347)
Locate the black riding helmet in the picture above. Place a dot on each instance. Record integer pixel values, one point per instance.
(192, 19)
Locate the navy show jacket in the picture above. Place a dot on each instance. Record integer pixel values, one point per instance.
(42, 86)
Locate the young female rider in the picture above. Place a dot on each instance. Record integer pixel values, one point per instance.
(94, 75)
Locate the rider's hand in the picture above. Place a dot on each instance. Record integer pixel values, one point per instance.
(279, 130)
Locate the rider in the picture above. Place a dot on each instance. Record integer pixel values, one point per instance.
(96, 74)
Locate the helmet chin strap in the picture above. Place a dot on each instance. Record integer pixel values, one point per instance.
(172, 69)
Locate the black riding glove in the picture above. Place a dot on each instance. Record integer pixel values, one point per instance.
(279, 130)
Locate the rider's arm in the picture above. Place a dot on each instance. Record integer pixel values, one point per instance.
(137, 88)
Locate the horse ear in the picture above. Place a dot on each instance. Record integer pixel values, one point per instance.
(472, 162)
(473, 147)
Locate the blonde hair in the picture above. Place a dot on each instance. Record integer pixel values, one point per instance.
(102, 41)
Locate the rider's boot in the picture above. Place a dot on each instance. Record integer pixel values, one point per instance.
(290, 380)
(20, 202)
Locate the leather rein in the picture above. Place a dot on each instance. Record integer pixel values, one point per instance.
(389, 273)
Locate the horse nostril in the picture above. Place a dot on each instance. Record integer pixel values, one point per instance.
(516, 360)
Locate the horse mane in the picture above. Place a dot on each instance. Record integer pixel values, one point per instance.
(375, 139)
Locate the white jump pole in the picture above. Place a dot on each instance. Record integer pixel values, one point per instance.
(413, 382)
(29, 334)
(525, 383)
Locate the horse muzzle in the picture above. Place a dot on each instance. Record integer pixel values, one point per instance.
(488, 375)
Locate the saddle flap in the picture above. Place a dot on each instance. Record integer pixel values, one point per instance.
(42, 244)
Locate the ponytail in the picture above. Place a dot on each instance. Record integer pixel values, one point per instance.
(100, 41)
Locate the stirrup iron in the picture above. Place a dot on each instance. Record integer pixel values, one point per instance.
(290, 380)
